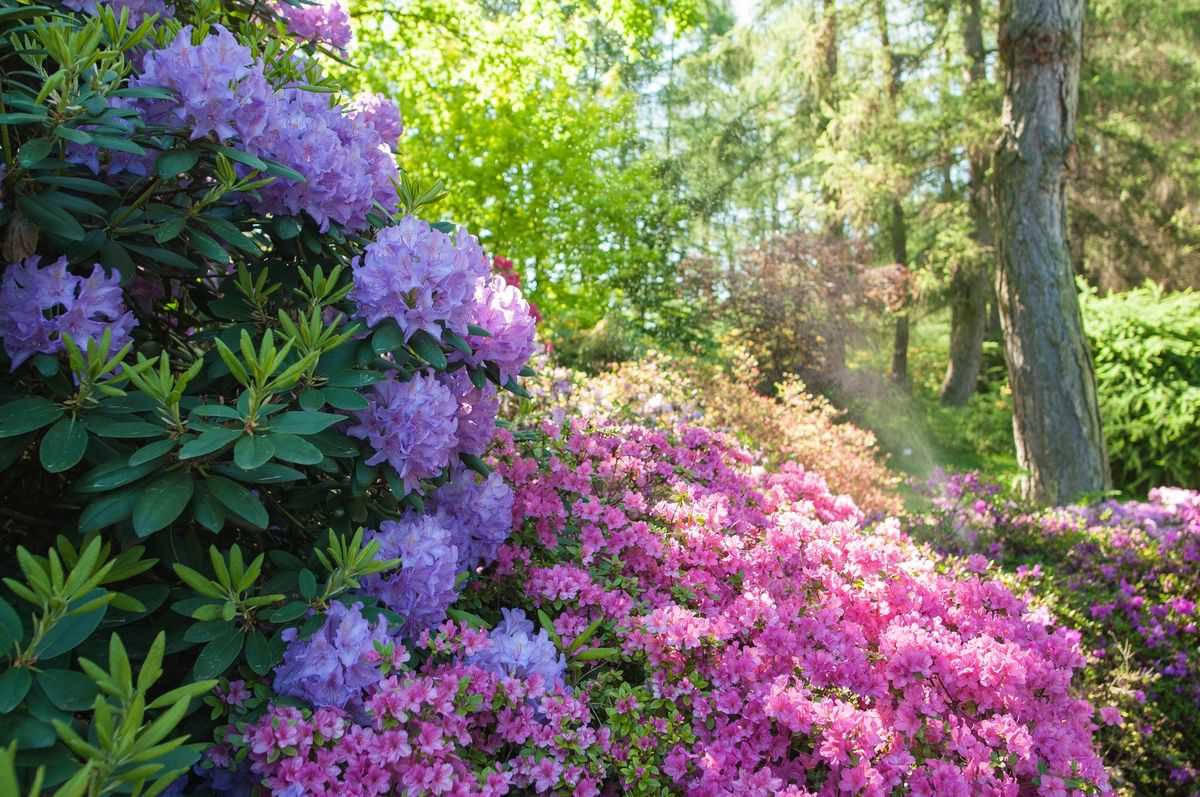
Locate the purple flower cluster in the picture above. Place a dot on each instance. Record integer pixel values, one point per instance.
(517, 652)
(482, 514)
(334, 665)
(501, 310)
(223, 91)
(320, 22)
(138, 9)
(381, 115)
(411, 425)
(477, 408)
(425, 585)
(39, 305)
(419, 277)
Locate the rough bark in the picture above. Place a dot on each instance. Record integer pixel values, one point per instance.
(898, 224)
(969, 284)
(1056, 420)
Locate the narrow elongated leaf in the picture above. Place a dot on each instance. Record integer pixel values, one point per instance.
(238, 500)
(219, 655)
(295, 449)
(305, 423)
(209, 442)
(68, 633)
(49, 217)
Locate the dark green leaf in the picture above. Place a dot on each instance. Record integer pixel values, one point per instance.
(311, 399)
(206, 632)
(291, 448)
(355, 379)
(342, 398)
(238, 500)
(69, 632)
(73, 134)
(261, 654)
(208, 442)
(478, 331)
(305, 423)
(81, 184)
(34, 152)
(271, 473)
(28, 733)
(455, 341)
(476, 464)
(27, 415)
(49, 217)
(253, 451)
(105, 427)
(11, 631)
(388, 337)
(14, 685)
(112, 475)
(289, 612)
(207, 510)
(308, 584)
(63, 445)
(152, 451)
(428, 349)
(175, 162)
(162, 501)
(219, 655)
(118, 144)
(68, 690)
(105, 510)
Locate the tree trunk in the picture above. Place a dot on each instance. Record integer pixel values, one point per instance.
(969, 289)
(900, 323)
(1056, 421)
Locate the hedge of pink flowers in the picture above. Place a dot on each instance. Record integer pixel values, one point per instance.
(706, 628)
(1127, 575)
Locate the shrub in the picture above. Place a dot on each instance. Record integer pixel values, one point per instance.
(1146, 345)
(1124, 574)
(228, 344)
(705, 628)
(793, 426)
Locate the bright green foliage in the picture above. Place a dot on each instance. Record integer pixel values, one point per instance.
(1146, 344)
(524, 113)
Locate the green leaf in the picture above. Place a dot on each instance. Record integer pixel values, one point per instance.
(209, 442)
(63, 445)
(105, 510)
(243, 158)
(206, 631)
(305, 423)
(49, 217)
(354, 378)
(238, 500)
(253, 451)
(70, 631)
(28, 733)
(597, 654)
(388, 337)
(295, 449)
(457, 342)
(289, 612)
(307, 584)
(11, 630)
(271, 473)
(475, 463)
(261, 654)
(311, 399)
(207, 510)
(428, 349)
(14, 685)
(27, 415)
(68, 690)
(112, 475)
(152, 451)
(345, 399)
(162, 501)
(478, 331)
(34, 152)
(219, 655)
(174, 162)
(126, 429)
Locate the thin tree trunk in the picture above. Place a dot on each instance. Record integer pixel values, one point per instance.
(1056, 419)
(968, 286)
(898, 224)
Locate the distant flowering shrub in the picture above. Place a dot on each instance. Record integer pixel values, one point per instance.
(793, 426)
(319, 21)
(1124, 574)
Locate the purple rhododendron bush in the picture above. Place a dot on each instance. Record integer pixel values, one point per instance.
(1126, 575)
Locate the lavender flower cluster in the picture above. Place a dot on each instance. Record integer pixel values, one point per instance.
(335, 664)
(517, 652)
(39, 305)
(320, 22)
(483, 516)
(223, 91)
(427, 582)
(501, 310)
(419, 277)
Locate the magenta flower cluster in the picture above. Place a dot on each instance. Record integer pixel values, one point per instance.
(39, 305)
(419, 277)
(781, 648)
(318, 21)
(223, 92)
